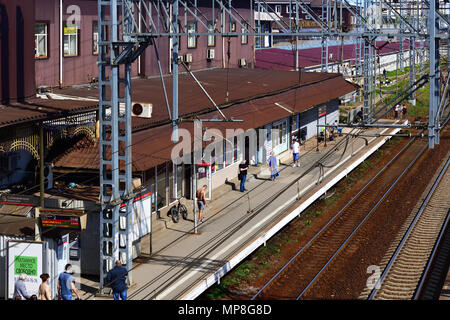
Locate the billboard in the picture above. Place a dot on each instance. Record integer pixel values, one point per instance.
(24, 257)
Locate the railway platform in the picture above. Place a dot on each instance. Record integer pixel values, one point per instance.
(183, 264)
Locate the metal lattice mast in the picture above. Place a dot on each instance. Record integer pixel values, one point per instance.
(358, 45)
(324, 51)
(401, 55)
(412, 56)
(368, 62)
(114, 142)
(433, 31)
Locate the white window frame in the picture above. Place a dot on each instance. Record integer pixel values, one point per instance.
(191, 39)
(95, 35)
(244, 38)
(287, 9)
(70, 36)
(37, 39)
(211, 38)
(278, 9)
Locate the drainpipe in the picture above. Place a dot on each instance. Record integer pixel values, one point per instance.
(61, 42)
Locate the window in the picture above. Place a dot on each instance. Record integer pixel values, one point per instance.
(191, 40)
(211, 38)
(307, 17)
(288, 9)
(244, 37)
(95, 37)
(40, 40)
(70, 41)
(279, 137)
(278, 9)
(161, 187)
(233, 26)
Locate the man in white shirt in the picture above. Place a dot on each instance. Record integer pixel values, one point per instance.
(295, 153)
(397, 108)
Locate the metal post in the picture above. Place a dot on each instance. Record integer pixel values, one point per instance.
(115, 148)
(433, 30)
(176, 43)
(41, 165)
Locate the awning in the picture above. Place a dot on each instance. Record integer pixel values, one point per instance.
(266, 16)
(16, 226)
(15, 210)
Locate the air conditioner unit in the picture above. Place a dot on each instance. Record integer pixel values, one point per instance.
(242, 62)
(142, 110)
(48, 176)
(187, 57)
(210, 54)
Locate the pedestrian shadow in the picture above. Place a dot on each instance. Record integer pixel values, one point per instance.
(232, 184)
(201, 263)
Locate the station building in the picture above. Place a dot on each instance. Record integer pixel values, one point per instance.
(65, 122)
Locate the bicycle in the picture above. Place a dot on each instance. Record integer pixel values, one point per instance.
(178, 209)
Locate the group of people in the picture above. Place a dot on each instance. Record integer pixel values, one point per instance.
(400, 109)
(66, 285)
(116, 279)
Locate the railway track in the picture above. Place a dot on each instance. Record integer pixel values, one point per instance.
(406, 272)
(300, 274)
(195, 256)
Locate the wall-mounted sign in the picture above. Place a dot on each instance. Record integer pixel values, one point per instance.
(20, 200)
(62, 218)
(66, 222)
(24, 257)
(322, 110)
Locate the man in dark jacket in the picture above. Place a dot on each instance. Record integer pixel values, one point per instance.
(116, 279)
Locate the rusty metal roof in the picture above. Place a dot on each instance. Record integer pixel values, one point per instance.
(16, 225)
(37, 109)
(153, 146)
(13, 209)
(242, 85)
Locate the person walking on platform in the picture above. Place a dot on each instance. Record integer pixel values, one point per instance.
(66, 284)
(295, 153)
(273, 166)
(335, 126)
(404, 110)
(116, 278)
(243, 167)
(396, 110)
(201, 202)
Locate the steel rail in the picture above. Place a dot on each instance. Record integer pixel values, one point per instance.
(231, 229)
(360, 224)
(426, 272)
(330, 222)
(407, 233)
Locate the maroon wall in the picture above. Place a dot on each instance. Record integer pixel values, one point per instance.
(199, 61)
(17, 80)
(78, 69)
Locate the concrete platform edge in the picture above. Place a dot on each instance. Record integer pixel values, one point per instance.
(272, 230)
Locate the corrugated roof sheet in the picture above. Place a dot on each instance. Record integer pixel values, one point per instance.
(16, 210)
(153, 146)
(16, 226)
(242, 85)
(36, 109)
